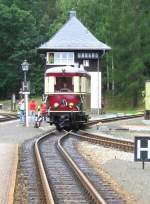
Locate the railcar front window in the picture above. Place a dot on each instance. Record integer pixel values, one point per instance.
(64, 84)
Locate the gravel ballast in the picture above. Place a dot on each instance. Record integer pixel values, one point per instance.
(122, 169)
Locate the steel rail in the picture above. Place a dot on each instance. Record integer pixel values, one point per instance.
(82, 177)
(107, 141)
(7, 117)
(125, 117)
(46, 187)
(95, 195)
(113, 119)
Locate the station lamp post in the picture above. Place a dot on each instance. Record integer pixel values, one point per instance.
(25, 68)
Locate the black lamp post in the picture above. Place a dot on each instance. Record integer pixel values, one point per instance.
(25, 68)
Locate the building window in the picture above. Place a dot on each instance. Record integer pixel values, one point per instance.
(87, 55)
(50, 58)
(86, 63)
(60, 58)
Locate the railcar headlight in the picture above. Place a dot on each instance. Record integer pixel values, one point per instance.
(71, 105)
(56, 105)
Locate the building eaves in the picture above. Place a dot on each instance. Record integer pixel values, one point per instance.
(74, 36)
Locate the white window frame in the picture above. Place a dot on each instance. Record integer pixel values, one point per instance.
(61, 58)
(86, 63)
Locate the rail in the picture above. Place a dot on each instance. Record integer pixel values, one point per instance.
(84, 180)
(46, 187)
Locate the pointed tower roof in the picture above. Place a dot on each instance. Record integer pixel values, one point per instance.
(74, 36)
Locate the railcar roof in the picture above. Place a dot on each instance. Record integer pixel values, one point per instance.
(67, 69)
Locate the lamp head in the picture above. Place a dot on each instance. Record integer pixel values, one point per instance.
(25, 66)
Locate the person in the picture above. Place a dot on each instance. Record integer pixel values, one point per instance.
(21, 110)
(38, 118)
(43, 110)
(32, 109)
(38, 111)
(103, 106)
(65, 88)
(18, 107)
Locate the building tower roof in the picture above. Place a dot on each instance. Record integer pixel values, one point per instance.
(73, 36)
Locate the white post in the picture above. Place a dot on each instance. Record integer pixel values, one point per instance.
(113, 81)
(25, 68)
(26, 109)
(98, 86)
(107, 72)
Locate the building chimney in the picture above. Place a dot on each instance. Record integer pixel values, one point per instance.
(72, 13)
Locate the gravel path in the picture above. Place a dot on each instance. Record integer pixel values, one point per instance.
(16, 133)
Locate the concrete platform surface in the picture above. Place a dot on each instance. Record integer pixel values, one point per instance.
(8, 167)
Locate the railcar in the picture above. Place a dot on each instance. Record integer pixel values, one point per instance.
(67, 91)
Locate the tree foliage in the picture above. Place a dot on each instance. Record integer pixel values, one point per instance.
(123, 25)
(18, 37)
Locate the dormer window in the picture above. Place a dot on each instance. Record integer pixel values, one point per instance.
(60, 58)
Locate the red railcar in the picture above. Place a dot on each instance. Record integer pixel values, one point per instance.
(68, 96)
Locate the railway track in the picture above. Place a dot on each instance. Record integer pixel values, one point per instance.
(61, 188)
(4, 117)
(59, 182)
(70, 180)
(112, 119)
(106, 141)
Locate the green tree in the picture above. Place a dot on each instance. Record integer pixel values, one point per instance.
(18, 37)
(126, 30)
(123, 25)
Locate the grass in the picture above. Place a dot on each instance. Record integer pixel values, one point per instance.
(111, 106)
(116, 104)
(127, 109)
(7, 103)
(124, 111)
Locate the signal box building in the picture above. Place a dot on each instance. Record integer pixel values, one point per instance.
(75, 45)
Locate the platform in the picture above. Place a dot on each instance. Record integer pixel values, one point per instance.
(8, 168)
